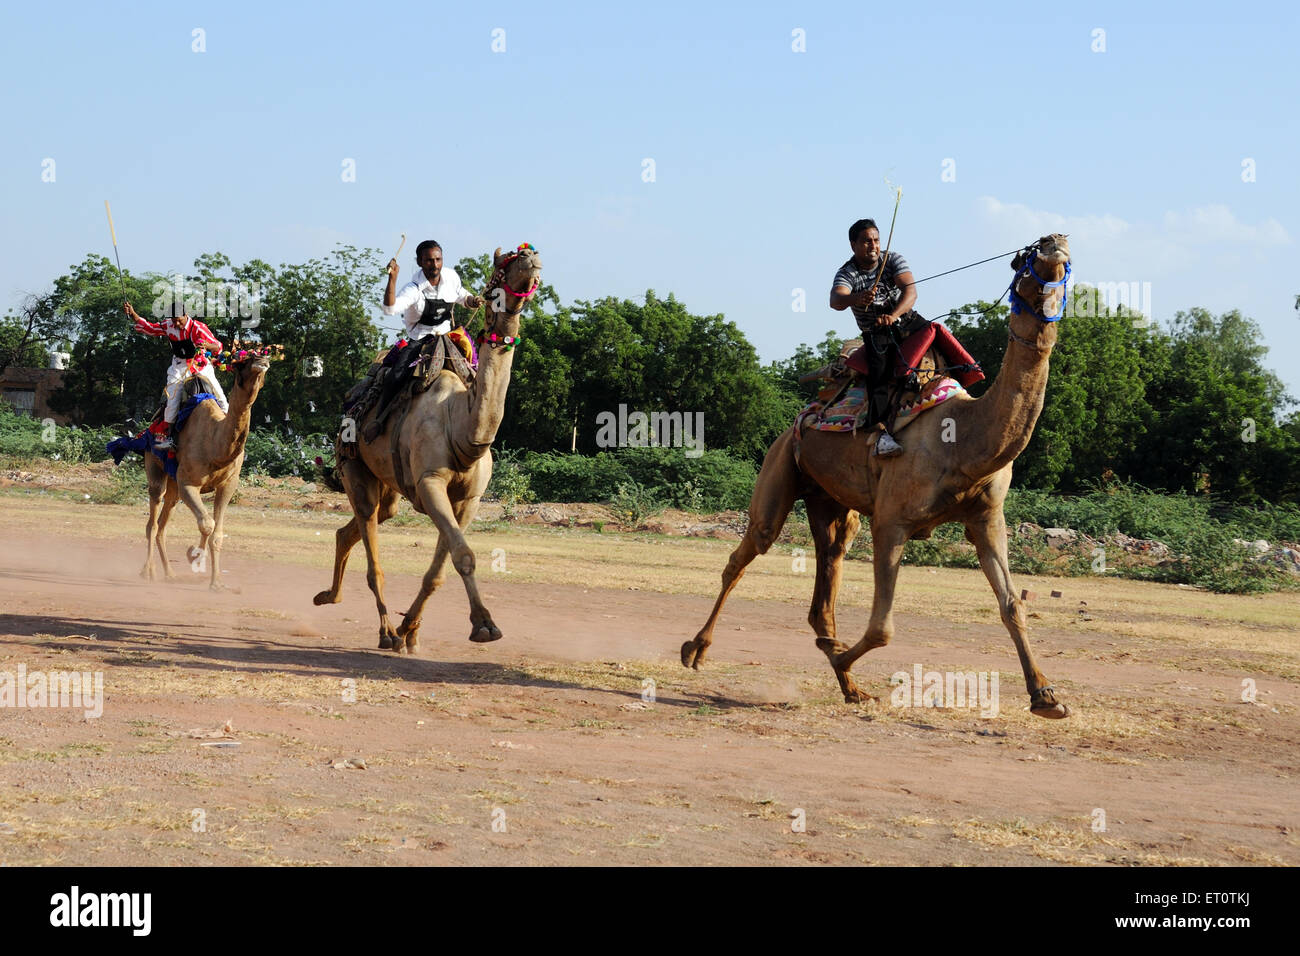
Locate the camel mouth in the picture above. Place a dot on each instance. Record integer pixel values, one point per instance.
(1054, 249)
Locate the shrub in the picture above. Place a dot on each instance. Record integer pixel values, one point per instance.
(268, 452)
(510, 483)
(633, 503)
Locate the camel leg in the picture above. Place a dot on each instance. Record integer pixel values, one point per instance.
(434, 577)
(887, 555)
(990, 539)
(219, 502)
(152, 533)
(366, 492)
(345, 540)
(833, 528)
(433, 494)
(170, 498)
(774, 495)
(194, 501)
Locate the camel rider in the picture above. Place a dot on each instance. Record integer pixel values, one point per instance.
(425, 302)
(881, 292)
(189, 338)
(425, 305)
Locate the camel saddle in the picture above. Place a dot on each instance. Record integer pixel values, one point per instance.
(413, 371)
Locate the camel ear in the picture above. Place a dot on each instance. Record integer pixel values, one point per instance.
(496, 257)
(1018, 262)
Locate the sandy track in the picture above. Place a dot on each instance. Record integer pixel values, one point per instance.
(545, 732)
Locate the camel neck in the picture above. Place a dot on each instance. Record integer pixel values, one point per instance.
(488, 397)
(1007, 412)
(232, 430)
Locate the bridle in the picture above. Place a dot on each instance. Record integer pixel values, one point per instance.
(1019, 304)
(498, 281)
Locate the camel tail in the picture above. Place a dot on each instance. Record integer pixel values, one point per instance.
(332, 481)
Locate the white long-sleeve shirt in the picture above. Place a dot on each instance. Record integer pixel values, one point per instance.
(409, 302)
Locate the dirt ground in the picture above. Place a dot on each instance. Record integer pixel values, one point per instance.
(540, 749)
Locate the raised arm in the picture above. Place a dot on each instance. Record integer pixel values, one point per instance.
(399, 303)
(142, 325)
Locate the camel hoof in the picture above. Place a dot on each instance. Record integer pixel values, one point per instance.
(192, 553)
(856, 696)
(485, 633)
(1055, 712)
(386, 642)
(325, 597)
(412, 645)
(693, 654)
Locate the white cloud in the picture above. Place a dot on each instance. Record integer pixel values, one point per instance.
(1216, 223)
(1036, 222)
(1204, 224)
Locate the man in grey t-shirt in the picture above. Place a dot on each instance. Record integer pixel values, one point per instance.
(881, 292)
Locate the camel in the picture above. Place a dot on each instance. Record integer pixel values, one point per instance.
(209, 456)
(956, 466)
(437, 456)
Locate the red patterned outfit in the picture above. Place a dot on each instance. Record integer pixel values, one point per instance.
(188, 343)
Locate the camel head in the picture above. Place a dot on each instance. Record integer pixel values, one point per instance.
(250, 372)
(1042, 271)
(516, 277)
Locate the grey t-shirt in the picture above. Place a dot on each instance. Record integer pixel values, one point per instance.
(887, 292)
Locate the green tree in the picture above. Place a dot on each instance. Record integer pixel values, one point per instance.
(1094, 409)
(320, 313)
(115, 373)
(25, 335)
(1220, 421)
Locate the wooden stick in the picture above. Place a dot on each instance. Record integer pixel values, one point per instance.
(113, 232)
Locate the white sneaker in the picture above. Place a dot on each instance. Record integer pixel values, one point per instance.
(164, 442)
(886, 447)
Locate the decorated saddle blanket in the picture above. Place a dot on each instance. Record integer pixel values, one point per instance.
(850, 410)
(843, 414)
(936, 392)
(143, 443)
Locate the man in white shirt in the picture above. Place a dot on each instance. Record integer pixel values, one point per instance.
(425, 302)
(425, 305)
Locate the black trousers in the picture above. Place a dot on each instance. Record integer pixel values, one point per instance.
(882, 358)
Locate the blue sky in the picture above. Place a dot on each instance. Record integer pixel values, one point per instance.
(762, 155)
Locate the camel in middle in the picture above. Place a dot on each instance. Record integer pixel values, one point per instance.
(440, 460)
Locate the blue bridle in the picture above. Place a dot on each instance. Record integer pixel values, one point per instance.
(1020, 305)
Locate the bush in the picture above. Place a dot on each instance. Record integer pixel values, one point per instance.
(632, 503)
(714, 481)
(510, 483)
(268, 452)
(25, 439)
(556, 477)
(127, 485)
